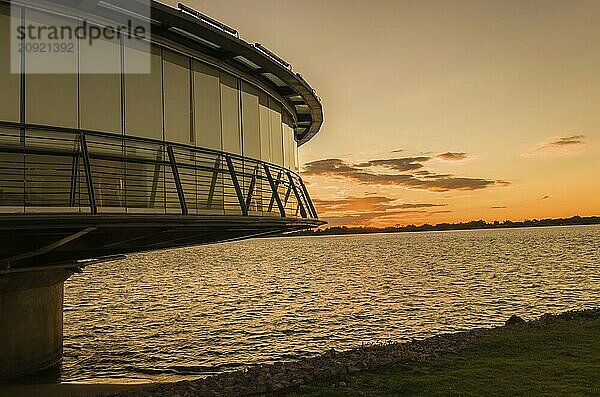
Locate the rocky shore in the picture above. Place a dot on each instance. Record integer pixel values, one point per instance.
(332, 364)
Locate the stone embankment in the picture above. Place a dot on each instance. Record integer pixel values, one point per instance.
(328, 366)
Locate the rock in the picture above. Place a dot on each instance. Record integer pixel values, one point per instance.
(330, 353)
(261, 388)
(514, 319)
(278, 377)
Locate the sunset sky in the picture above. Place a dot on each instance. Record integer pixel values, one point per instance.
(441, 111)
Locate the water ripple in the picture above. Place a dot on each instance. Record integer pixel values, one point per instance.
(192, 312)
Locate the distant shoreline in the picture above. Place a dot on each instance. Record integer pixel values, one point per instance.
(472, 225)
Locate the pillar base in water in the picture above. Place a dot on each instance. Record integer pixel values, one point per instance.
(31, 321)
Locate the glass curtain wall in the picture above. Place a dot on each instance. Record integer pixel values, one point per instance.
(182, 100)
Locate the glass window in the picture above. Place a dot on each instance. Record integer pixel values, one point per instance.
(276, 132)
(144, 181)
(207, 131)
(51, 99)
(100, 104)
(265, 127)
(100, 94)
(250, 121)
(10, 84)
(178, 96)
(100, 109)
(207, 106)
(230, 113)
(143, 94)
(286, 146)
(288, 140)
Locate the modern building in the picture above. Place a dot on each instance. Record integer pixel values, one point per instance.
(201, 149)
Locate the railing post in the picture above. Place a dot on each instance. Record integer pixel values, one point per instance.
(274, 190)
(213, 183)
(236, 185)
(156, 176)
(272, 201)
(297, 194)
(311, 207)
(287, 196)
(178, 186)
(88, 173)
(251, 188)
(74, 172)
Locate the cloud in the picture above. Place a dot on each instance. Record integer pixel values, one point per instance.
(328, 167)
(557, 146)
(372, 210)
(567, 141)
(376, 218)
(498, 207)
(419, 179)
(452, 156)
(400, 164)
(369, 203)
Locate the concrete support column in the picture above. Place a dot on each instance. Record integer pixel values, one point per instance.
(31, 321)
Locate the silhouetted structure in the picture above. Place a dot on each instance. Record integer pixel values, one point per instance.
(201, 149)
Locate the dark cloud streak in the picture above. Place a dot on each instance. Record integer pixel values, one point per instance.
(452, 156)
(561, 145)
(567, 141)
(421, 179)
(401, 164)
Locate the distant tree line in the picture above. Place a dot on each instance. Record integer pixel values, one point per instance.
(480, 224)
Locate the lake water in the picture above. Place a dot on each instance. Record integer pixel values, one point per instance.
(193, 312)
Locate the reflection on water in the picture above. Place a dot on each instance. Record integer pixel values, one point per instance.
(192, 312)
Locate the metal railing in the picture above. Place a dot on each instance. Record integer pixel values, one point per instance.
(49, 169)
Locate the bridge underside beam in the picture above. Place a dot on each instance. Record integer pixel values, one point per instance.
(46, 240)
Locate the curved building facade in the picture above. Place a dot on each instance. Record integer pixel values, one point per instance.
(200, 148)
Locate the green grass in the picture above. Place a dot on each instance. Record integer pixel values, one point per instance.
(562, 359)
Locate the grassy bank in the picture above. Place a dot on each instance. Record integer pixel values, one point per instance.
(558, 357)
(554, 355)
